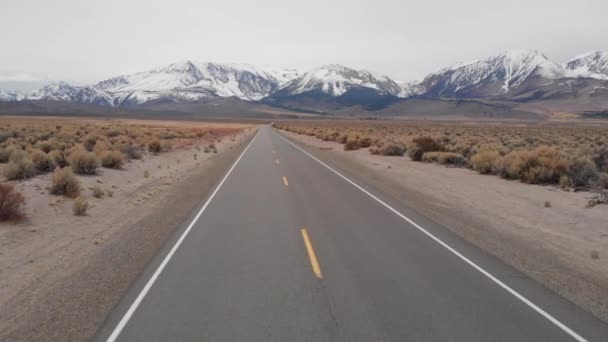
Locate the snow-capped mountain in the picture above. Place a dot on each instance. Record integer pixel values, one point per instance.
(493, 76)
(190, 81)
(334, 86)
(519, 75)
(335, 80)
(592, 64)
(11, 95)
(58, 91)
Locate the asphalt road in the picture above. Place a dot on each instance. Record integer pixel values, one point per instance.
(287, 249)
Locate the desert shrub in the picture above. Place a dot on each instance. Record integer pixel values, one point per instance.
(600, 158)
(97, 192)
(131, 151)
(583, 172)
(11, 203)
(446, 158)
(154, 146)
(89, 142)
(112, 159)
(65, 183)
(83, 162)
(602, 181)
(365, 142)
(58, 158)
(390, 148)
(20, 166)
(565, 182)
(351, 144)
(80, 206)
(483, 160)
(541, 165)
(430, 157)
(422, 145)
(166, 146)
(5, 154)
(42, 161)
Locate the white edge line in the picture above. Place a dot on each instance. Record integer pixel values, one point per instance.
(125, 319)
(516, 294)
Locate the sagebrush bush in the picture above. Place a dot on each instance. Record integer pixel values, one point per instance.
(154, 146)
(59, 158)
(388, 148)
(446, 158)
(422, 145)
(42, 161)
(65, 183)
(83, 162)
(483, 160)
(131, 151)
(583, 172)
(351, 144)
(5, 154)
(20, 166)
(80, 206)
(89, 142)
(112, 159)
(11, 203)
(97, 192)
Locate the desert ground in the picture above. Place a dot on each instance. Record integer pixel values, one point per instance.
(62, 271)
(525, 198)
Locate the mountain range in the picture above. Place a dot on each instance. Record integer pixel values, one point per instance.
(521, 76)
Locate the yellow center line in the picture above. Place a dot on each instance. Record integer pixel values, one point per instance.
(277, 161)
(285, 181)
(311, 254)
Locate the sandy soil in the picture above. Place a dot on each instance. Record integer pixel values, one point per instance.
(38, 255)
(506, 218)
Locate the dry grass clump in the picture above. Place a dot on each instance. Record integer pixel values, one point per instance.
(388, 148)
(351, 144)
(11, 203)
(422, 145)
(97, 192)
(573, 156)
(65, 183)
(112, 159)
(20, 166)
(42, 161)
(154, 147)
(80, 206)
(83, 162)
(445, 158)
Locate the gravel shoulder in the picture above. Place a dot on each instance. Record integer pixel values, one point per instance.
(61, 274)
(542, 231)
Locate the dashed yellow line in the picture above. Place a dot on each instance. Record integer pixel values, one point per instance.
(311, 254)
(285, 181)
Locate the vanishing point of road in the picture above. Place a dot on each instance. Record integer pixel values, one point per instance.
(288, 248)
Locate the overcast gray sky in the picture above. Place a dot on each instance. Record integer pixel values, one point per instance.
(86, 41)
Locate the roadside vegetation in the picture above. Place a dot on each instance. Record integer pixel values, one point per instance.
(68, 149)
(573, 157)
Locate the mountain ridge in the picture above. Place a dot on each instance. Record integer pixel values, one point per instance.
(514, 75)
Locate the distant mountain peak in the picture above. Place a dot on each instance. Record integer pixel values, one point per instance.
(336, 79)
(592, 64)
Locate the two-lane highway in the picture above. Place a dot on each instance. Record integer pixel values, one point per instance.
(288, 249)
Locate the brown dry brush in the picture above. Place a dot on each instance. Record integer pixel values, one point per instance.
(11, 203)
(574, 156)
